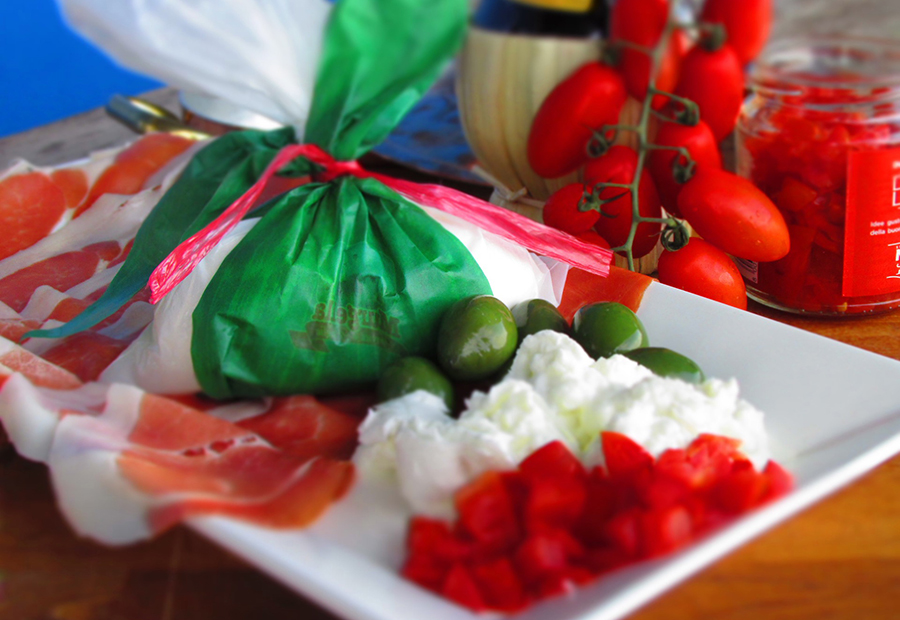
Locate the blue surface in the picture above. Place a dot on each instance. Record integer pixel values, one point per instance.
(47, 72)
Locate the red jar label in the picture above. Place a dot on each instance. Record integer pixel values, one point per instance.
(872, 231)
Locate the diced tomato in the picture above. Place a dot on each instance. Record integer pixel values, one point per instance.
(712, 446)
(553, 585)
(664, 531)
(623, 455)
(601, 502)
(431, 537)
(460, 587)
(665, 492)
(553, 502)
(500, 584)
(545, 554)
(486, 512)
(426, 571)
(740, 490)
(605, 559)
(539, 531)
(623, 532)
(553, 460)
(778, 479)
(624, 286)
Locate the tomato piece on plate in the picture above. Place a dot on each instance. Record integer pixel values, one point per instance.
(601, 502)
(623, 532)
(623, 455)
(501, 586)
(621, 285)
(544, 554)
(553, 502)
(426, 571)
(664, 492)
(486, 512)
(555, 460)
(664, 531)
(778, 479)
(605, 559)
(460, 587)
(434, 538)
(740, 490)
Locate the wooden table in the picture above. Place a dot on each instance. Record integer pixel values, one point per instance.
(839, 559)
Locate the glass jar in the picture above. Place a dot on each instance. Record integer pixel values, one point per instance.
(820, 135)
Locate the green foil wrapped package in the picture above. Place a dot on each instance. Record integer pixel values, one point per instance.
(334, 279)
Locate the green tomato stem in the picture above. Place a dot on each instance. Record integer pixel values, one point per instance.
(675, 234)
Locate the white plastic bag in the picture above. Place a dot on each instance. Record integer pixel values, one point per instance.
(257, 54)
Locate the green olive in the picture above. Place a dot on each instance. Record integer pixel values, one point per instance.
(667, 363)
(607, 328)
(536, 316)
(409, 374)
(476, 337)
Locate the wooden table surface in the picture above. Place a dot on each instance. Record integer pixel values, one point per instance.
(839, 559)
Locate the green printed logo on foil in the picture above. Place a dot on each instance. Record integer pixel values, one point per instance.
(349, 325)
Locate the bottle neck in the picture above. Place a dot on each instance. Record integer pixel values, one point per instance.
(563, 18)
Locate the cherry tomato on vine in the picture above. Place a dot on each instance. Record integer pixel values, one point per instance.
(715, 82)
(618, 165)
(705, 270)
(732, 214)
(641, 22)
(586, 100)
(561, 211)
(700, 143)
(747, 23)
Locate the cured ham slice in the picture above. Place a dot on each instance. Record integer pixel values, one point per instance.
(135, 166)
(31, 205)
(35, 201)
(37, 370)
(126, 464)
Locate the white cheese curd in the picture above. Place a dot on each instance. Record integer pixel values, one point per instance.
(553, 391)
(430, 455)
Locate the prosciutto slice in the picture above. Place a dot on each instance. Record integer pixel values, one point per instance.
(126, 465)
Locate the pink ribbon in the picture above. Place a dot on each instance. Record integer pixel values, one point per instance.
(507, 224)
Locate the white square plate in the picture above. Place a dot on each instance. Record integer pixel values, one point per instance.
(832, 412)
